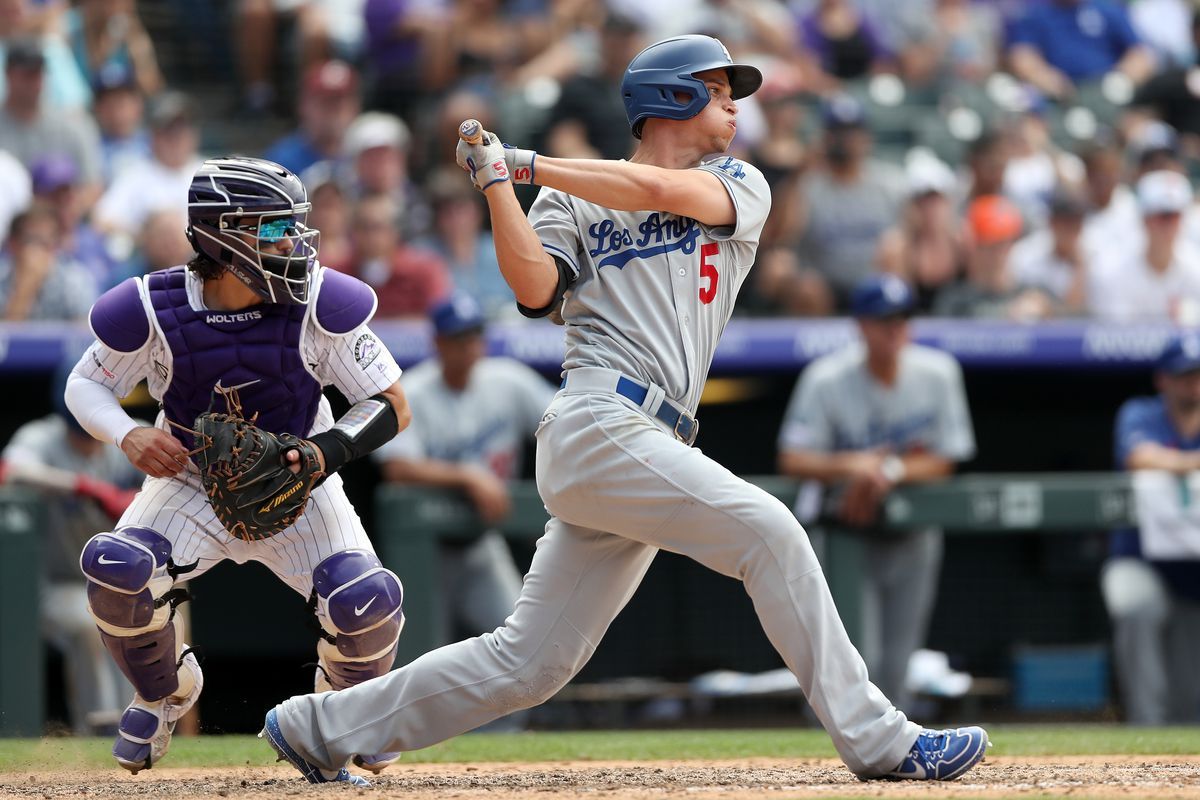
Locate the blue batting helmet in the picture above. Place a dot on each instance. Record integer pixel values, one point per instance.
(656, 74)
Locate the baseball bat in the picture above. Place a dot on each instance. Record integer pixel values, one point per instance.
(471, 132)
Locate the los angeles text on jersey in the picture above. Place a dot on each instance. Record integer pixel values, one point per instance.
(658, 235)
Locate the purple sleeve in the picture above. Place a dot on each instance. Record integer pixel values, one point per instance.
(811, 37)
(118, 318)
(870, 32)
(381, 16)
(343, 302)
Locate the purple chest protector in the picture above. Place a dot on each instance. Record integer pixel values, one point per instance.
(256, 350)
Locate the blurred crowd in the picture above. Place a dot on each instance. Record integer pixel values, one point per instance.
(1011, 159)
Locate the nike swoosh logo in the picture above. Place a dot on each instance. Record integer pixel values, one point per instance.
(103, 559)
(217, 387)
(358, 612)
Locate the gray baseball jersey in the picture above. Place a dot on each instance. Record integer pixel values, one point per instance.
(652, 294)
(653, 291)
(486, 424)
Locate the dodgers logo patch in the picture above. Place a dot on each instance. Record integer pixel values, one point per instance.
(366, 350)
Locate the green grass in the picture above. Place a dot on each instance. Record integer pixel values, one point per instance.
(1007, 740)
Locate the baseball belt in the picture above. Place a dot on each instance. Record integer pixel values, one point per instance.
(652, 399)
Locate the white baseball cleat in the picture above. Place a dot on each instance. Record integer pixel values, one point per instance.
(144, 733)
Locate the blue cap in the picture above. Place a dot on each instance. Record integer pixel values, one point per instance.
(882, 296)
(843, 111)
(1182, 354)
(459, 313)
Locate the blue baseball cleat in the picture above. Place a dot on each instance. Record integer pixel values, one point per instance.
(311, 772)
(942, 755)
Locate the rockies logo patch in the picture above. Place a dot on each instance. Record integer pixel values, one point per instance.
(366, 350)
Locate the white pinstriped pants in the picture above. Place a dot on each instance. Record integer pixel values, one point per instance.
(178, 509)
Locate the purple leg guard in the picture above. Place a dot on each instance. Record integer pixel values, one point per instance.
(130, 575)
(358, 603)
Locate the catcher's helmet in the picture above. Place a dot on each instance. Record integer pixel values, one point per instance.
(236, 205)
(664, 68)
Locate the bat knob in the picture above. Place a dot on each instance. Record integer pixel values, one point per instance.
(471, 131)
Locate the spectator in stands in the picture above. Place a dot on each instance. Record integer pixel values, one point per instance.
(490, 39)
(161, 244)
(109, 34)
(1161, 279)
(782, 154)
(330, 215)
(325, 29)
(1166, 26)
(987, 161)
(407, 55)
(926, 248)
(29, 132)
(161, 182)
(955, 41)
(16, 191)
(1113, 220)
(477, 415)
(1152, 594)
(840, 44)
(407, 279)
(31, 21)
(1036, 164)
(863, 420)
(377, 148)
(847, 199)
(56, 184)
(1058, 44)
(588, 121)
(37, 280)
(990, 288)
(1173, 95)
(1053, 258)
(328, 104)
(779, 286)
(119, 110)
(461, 239)
(97, 692)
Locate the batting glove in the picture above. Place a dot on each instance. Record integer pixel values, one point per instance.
(484, 161)
(520, 163)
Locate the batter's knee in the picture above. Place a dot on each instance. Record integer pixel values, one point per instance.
(358, 603)
(539, 675)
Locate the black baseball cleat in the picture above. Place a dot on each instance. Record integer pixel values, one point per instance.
(311, 772)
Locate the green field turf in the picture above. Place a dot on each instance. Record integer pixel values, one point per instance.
(1007, 740)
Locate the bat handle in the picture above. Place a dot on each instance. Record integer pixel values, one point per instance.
(471, 131)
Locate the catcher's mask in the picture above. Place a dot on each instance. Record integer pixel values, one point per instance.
(250, 215)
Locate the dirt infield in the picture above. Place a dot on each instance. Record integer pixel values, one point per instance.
(998, 777)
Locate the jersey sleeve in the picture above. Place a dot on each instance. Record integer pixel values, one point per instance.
(357, 363)
(553, 220)
(751, 196)
(117, 371)
(807, 424)
(955, 433)
(1135, 425)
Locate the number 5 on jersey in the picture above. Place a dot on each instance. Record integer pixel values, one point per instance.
(708, 293)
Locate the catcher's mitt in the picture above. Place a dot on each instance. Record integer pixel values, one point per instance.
(244, 469)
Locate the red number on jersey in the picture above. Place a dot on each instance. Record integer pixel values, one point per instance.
(707, 270)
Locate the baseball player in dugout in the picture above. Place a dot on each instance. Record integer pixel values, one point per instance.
(862, 420)
(643, 260)
(236, 346)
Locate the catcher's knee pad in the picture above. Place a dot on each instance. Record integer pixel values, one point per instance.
(130, 577)
(358, 604)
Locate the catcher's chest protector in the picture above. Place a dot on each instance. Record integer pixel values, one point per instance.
(256, 350)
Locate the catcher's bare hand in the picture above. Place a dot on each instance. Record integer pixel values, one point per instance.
(294, 459)
(154, 451)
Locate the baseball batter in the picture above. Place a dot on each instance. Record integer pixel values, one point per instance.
(252, 311)
(643, 259)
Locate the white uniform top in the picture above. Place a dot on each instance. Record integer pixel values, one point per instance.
(1123, 287)
(837, 405)
(486, 424)
(653, 291)
(356, 363)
